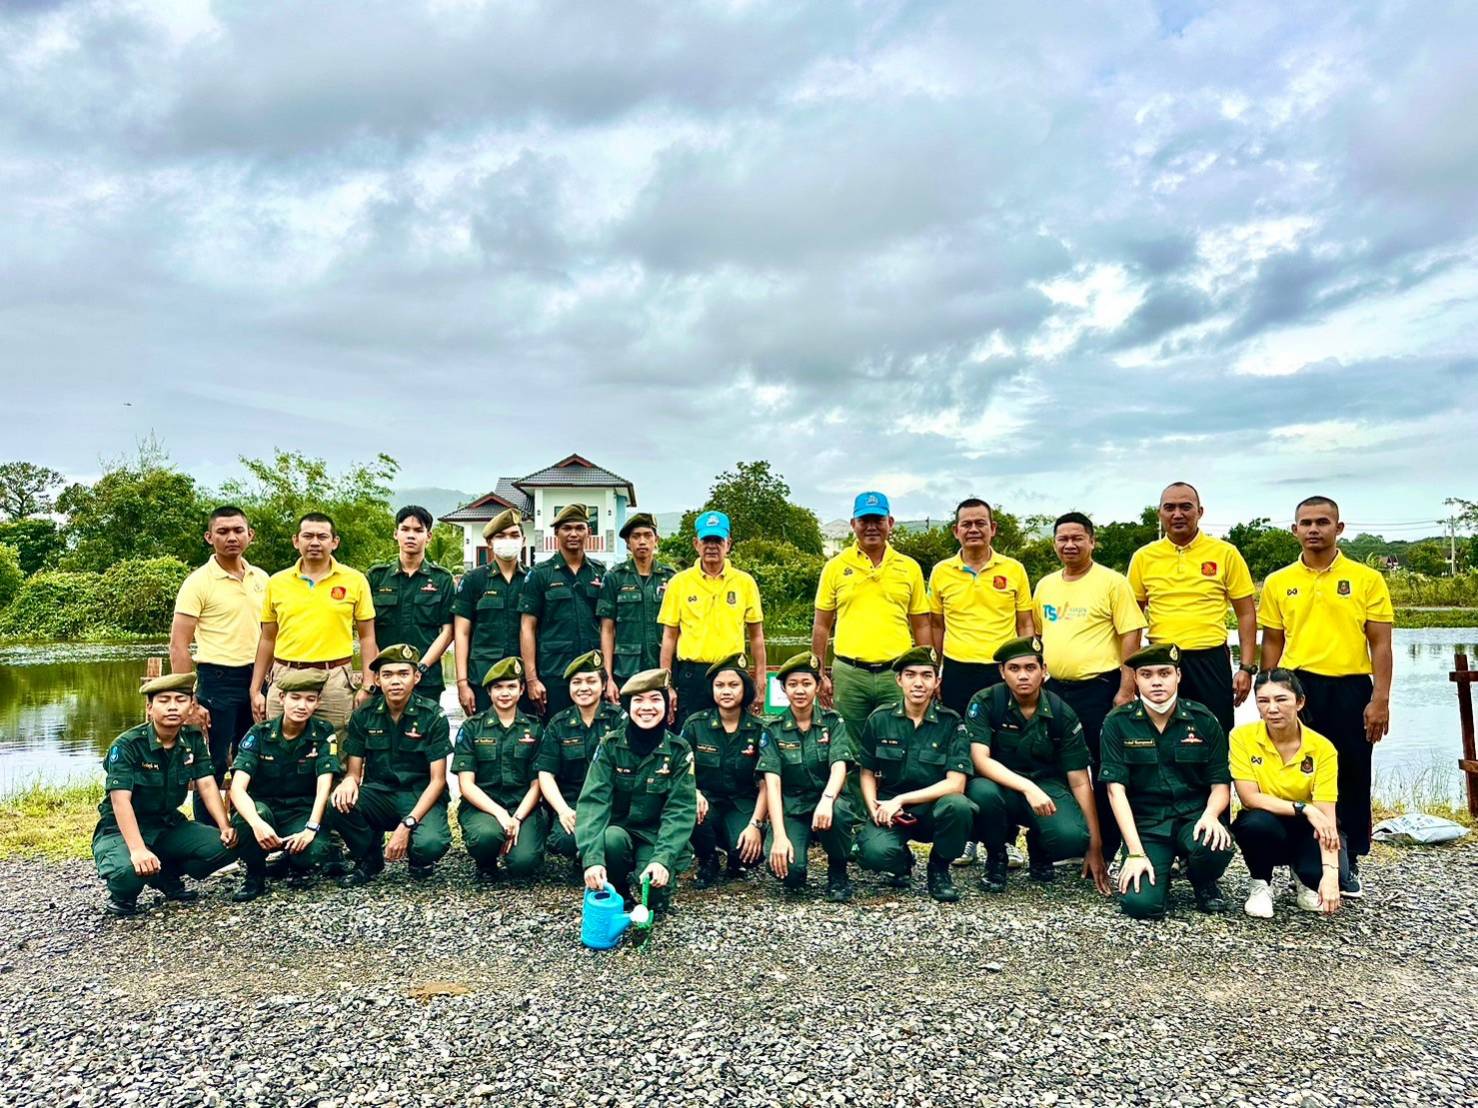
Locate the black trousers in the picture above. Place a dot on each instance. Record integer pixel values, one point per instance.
(1335, 707)
(225, 692)
(1092, 699)
(962, 680)
(1268, 841)
(694, 689)
(1206, 677)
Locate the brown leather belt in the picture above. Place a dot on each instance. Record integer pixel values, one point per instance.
(335, 664)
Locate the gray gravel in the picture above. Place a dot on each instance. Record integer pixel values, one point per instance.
(451, 992)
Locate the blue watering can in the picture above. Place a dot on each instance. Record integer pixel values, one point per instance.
(605, 919)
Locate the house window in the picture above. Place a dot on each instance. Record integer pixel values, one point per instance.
(482, 555)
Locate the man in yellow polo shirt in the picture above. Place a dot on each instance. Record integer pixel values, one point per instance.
(1329, 620)
(1184, 582)
(874, 599)
(219, 608)
(979, 600)
(706, 613)
(1089, 623)
(309, 616)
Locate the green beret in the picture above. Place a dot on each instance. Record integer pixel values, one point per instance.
(501, 522)
(918, 656)
(804, 662)
(648, 680)
(508, 669)
(1028, 646)
(590, 662)
(738, 662)
(641, 519)
(170, 682)
(392, 655)
(301, 680)
(572, 513)
(1156, 654)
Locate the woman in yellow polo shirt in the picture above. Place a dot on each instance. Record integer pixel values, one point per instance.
(1287, 782)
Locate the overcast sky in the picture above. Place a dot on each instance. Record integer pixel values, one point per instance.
(1049, 253)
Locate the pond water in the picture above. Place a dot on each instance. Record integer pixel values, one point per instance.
(61, 706)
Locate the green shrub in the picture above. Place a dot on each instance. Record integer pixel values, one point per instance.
(1419, 590)
(137, 596)
(11, 576)
(784, 573)
(52, 604)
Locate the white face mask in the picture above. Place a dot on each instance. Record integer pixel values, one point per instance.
(507, 548)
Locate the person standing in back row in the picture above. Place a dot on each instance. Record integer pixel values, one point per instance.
(1329, 620)
(557, 609)
(1088, 622)
(630, 599)
(1185, 583)
(485, 619)
(873, 598)
(413, 599)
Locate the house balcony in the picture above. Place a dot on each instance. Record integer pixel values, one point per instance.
(595, 543)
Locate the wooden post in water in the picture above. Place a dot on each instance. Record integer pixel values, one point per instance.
(1468, 763)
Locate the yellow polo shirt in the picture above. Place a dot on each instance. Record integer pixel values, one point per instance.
(227, 612)
(979, 609)
(1323, 614)
(1311, 776)
(1189, 589)
(315, 620)
(1082, 620)
(710, 613)
(872, 602)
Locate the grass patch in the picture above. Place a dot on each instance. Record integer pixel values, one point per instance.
(1428, 790)
(1437, 617)
(49, 821)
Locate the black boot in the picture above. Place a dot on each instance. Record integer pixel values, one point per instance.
(1209, 898)
(421, 873)
(173, 888)
(941, 887)
(838, 885)
(707, 871)
(365, 870)
(300, 878)
(489, 874)
(121, 908)
(253, 886)
(733, 867)
(993, 880)
(1041, 869)
(899, 880)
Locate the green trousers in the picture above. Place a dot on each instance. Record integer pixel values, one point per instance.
(721, 827)
(286, 817)
(483, 837)
(1000, 811)
(945, 823)
(379, 812)
(626, 858)
(1202, 866)
(856, 694)
(558, 841)
(184, 847)
(836, 840)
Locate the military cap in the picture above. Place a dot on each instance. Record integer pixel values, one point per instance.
(589, 662)
(397, 653)
(170, 682)
(739, 662)
(1028, 646)
(572, 513)
(507, 669)
(1156, 654)
(918, 656)
(301, 680)
(648, 680)
(505, 519)
(804, 662)
(641, 519)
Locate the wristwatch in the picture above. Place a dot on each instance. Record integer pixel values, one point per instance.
(1298, 807)
(311, 826)
(1249, 668)
(421, 668)
(410, 823)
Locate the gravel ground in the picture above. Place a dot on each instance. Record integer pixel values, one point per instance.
(456, 993)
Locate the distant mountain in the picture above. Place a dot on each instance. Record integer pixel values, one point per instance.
(436, 501)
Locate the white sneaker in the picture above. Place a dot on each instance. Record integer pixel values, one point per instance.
(1015, 859)
(967, 858)
(1308, 899)
(1259, 900)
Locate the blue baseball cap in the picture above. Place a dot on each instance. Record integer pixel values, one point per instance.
(713, 523)
(870, 504)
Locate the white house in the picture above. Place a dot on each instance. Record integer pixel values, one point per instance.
(540, 497)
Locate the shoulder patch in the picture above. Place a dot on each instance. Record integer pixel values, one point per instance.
(249, 743)
(114, 753)
(974, 709)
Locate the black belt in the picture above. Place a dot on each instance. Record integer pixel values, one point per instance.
(870, 667)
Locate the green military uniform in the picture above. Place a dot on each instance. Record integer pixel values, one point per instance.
(1044, 749)
(633, 602)
(564, 604)
(725, 775)
(565, 751)
(501, 759)
(284, 783)
(637, 809)
(1168, 778)
(398, 755)
(903, 758)
(413, 609)
(157, 777)
(803, 759)
(490, 603)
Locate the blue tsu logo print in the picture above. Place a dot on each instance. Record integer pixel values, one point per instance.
(1050, 612)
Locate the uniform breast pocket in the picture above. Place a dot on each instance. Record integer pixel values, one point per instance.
(889, 761)
(570, 752)
(387, 602)
(428, 608)
(491, 602)
(1193, 761)
(624, 600)
(1042, 749)
(932, 756)
(646, 802)
(1141, 755)
(791, 753)
(376, 744)
(707, 759)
